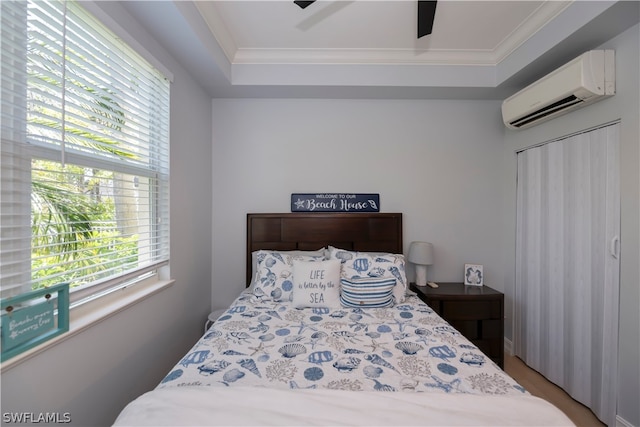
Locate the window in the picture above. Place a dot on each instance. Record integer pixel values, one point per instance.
(84, 178)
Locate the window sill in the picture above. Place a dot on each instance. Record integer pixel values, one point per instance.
(92, 313)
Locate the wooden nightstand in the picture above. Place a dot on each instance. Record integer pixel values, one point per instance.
(476, 311)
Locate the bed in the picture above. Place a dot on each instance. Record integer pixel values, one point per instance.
(327, 333)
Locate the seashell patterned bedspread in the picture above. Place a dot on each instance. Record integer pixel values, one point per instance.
(407, 347)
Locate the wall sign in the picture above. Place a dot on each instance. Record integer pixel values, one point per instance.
(27, 323)
(33, 318)
(335, 202)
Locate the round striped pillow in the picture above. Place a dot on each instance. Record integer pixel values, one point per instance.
(367, 291)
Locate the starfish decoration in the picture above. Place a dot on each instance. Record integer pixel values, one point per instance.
(299, 204)
(444, 385)
(376, 345)
(304, 326)
(261, 348)
(403, 323)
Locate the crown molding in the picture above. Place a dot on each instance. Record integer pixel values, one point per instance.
(361, 56)
(217, 27)
(547, 11)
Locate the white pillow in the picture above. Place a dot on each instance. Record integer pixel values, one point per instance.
(374, 264)
(316, 284)
(274, 277)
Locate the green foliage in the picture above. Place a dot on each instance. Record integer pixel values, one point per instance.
(75, 235)
(74, 223)
(93, 257)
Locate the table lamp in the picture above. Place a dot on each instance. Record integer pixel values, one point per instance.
(421, 254)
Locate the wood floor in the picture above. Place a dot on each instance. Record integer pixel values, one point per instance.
(539, 386)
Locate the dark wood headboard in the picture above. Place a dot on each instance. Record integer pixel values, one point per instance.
(372, 232)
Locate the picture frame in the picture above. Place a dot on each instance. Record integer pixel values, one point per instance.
(473, 275)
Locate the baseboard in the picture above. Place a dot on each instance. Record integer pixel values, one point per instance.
(621, 422)
(508, 347)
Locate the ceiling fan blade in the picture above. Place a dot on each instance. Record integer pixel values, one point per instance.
(426, 13)
(303, 4)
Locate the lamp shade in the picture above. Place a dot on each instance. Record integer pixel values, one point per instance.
(421, 253)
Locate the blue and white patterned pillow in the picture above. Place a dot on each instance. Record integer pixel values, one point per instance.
(373, 264)
(367, 292)
(322, 252)
(274, 273)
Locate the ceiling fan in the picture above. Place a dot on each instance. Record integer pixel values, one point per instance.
(426, 13)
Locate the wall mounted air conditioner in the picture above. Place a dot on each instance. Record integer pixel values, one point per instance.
(583, 81)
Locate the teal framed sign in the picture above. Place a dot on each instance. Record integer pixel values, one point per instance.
(33, 318)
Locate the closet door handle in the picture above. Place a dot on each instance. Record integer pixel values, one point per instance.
(614, 246)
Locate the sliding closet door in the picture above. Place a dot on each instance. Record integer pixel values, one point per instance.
(567, 265)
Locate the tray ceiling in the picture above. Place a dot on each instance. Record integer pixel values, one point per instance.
(383, 32)
(369, 48)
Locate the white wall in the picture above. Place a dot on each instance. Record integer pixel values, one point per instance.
(624, 106)
(92, 375)
(448, 166)
(437, 162)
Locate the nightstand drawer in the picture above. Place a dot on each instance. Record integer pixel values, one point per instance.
(471, 310)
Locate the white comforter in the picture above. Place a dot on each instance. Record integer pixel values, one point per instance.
(257, 406)
(268, 363)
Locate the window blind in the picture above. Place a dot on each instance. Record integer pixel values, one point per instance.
(85, 153)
